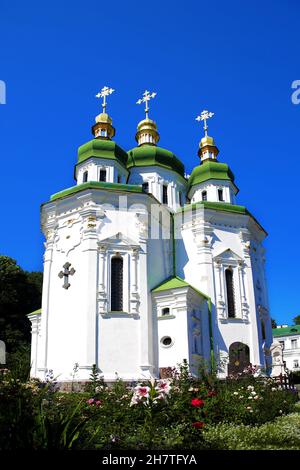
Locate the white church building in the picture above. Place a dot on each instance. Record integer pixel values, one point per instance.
(145, 267)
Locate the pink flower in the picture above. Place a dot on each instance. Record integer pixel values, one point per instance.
(90, 401)
(163, 387)
(98, 402)
(142, 391)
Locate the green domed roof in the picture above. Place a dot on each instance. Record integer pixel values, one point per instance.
(151, 155)
(99, 148)
(210, 170)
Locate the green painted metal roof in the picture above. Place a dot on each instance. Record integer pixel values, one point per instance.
(175, 282)
(36, 312)
(115, 187)
(211, 170)
(287, 331)
(151, 155)
(99, 148)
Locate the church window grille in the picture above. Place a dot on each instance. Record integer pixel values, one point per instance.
(204, 195)
(165, 311)
(220, 195)
(165, 194)
(85, 177)
(145, 187)
(230, 293)
(102, 175)
(117, 284)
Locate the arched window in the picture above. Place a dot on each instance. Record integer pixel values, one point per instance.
(263, 330)
(116, 299)
(204, 195)
(165, 194)
(220, 195)
(230, 293)
(102, 175)
(85, 177)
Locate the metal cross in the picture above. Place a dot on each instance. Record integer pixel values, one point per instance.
(203, 117)
(103, 94)
(146, 97)
(65, 274)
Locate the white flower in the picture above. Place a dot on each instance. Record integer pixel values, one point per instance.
(253, 393)
(250, 411)
(241, 396)
(273, 389)
(256, 397)
(250, 387)
(249, 408)
(250, 398)
(235, 393)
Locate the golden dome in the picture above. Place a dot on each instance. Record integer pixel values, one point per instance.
(104, 117)
(207, 140)
(147, 132)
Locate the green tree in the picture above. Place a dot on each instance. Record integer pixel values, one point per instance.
(274, 324)
(20, 294)
(296, 320)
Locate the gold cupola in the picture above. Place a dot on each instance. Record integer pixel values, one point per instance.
(207, 147)
(103, 129)
(147, 133)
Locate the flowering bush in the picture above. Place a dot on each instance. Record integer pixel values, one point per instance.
(176, 413)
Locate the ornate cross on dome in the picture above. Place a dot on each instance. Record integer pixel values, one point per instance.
(65, 274)
(103, 94)
(146, 97)
(203, 117)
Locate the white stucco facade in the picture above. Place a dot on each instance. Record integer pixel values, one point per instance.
(175, 259)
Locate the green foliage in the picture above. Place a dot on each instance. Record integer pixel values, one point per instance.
(273, 322)
(296, 320)
(282, 434)
(20, 294)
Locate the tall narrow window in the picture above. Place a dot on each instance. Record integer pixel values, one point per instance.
(204, 195)
(85, 177)
(145, 187)
(180, 198)
(119, 178)
(230, 293)
(102, 175)
(263, 330)
(165, 194)
(116, 300)
(220, 195)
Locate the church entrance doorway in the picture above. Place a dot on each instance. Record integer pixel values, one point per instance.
(239, 357)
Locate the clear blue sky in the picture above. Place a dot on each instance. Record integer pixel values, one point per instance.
(236, 58)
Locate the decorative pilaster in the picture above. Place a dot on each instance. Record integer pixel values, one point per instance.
(102, 293)
(244, 304)
(134, 295)
(221, 305)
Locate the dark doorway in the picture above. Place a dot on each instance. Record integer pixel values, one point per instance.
(239, 357)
